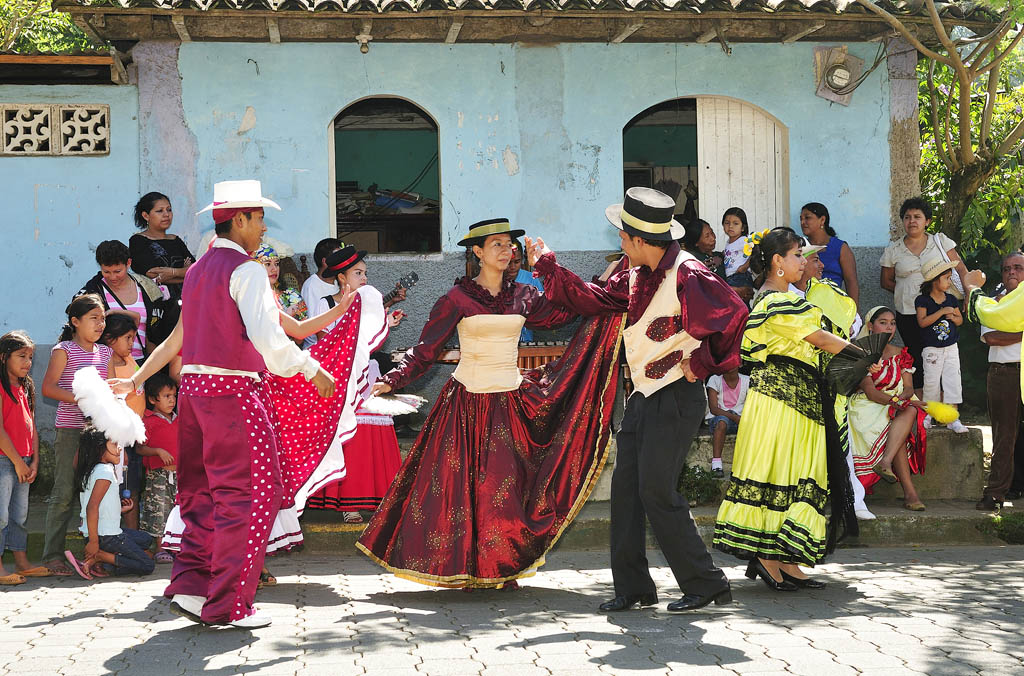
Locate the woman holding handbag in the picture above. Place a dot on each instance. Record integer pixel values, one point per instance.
(901, 273)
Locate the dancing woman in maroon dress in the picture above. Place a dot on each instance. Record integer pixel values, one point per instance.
(505, 459)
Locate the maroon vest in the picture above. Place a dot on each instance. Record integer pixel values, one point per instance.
(214, 332)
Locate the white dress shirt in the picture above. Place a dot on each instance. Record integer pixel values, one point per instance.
(313, 291)
(250, 289)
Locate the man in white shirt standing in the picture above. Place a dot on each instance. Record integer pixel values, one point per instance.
(318, 286)
(229, 480)
(1004, 401)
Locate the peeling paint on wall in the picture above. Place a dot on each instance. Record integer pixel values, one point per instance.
(248, 120)
(511, 161)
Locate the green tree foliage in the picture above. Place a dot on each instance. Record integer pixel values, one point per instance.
(972, 124)
(30, 26)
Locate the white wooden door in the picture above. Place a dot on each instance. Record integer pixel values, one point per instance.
(743, 161)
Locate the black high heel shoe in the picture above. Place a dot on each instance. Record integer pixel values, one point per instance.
(756, 569)
(803, 582)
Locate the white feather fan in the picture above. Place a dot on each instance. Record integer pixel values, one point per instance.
(392, 404)
(109, 413)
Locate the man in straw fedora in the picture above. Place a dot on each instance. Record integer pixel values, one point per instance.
(229, 481)
(683, 324)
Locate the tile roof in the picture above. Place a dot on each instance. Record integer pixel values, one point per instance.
(970, 11)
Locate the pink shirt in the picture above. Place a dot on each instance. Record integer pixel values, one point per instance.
(139, 307)
(69, 415)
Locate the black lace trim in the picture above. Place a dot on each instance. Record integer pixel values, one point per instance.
(777, 497)
(496, 304)
(792, 382)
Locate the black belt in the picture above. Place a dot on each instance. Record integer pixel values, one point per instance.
(1006, 365)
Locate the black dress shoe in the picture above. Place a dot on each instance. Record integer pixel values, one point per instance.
(988, 504)
(626, 602)
(694, 601)
(803, 582)
(756, 569)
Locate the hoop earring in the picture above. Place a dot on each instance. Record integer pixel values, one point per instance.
(779, 272)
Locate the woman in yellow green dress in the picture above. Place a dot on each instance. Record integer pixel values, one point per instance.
(774, 512)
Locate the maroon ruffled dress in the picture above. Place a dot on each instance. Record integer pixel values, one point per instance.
(495, 477)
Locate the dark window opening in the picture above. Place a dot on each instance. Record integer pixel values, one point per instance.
(659, 150)
(387, 184)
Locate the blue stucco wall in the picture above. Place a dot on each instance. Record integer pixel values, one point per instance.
(56, 209)
(532, 133)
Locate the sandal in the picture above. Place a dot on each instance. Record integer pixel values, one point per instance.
(266, 579)
(59, 569)
(78, 566)
(38, 571)
(99, 570)
(885, 474)
(914, 506)
(164, 556)
(352, 517)
(12, 579)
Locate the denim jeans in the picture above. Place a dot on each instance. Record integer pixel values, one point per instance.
(129, 550)
(63, 497)
(13, 507)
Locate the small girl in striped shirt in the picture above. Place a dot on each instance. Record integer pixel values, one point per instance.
(79, 347)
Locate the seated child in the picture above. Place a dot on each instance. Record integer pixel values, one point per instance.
(106, 542)
(726, 394)
(159, 455)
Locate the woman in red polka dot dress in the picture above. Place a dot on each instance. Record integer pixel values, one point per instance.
(506, 458)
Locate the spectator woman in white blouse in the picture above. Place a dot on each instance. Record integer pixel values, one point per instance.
(901, 273)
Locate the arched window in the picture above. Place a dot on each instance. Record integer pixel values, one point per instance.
(711, 153)
(387, 185)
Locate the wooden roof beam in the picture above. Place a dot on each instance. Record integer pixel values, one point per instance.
(802, 33)
(178, 21)
(453, 31)
(83, 24)
(118, 74)
(626, 31)
(274, 30)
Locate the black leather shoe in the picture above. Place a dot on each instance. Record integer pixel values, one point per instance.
(987, 504)
(803, 582)
(693, 601)
(756, 569)
(626, 602)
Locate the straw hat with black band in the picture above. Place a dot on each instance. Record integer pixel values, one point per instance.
(481, 230)
(646, 213)
(338, 262)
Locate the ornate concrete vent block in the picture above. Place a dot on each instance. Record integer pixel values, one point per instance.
(73, 129)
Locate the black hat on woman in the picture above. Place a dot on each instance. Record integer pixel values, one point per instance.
(339, 261)
(481, 230)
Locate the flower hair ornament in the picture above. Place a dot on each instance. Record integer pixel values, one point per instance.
(753, 240)
(109, 413)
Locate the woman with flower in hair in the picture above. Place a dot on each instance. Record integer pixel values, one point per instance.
(788, 461)
(288, 298)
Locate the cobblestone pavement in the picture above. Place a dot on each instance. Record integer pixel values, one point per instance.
(885, 611)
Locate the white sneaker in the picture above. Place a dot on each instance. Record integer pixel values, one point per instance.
(927, 422)
(864, 515)
(255, 621)
(189, 607)
(958, 427)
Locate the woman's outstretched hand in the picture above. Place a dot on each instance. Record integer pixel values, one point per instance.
(348, 294)
(535, 249)
(379, 388)
(121, 385)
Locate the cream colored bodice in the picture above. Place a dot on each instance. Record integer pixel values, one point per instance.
(489, 346)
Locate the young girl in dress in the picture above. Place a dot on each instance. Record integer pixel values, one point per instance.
(737, 263)
(19, 444)
(79, 347)
(372, 457)
(119, 335)
(124, 550)
(783, 471)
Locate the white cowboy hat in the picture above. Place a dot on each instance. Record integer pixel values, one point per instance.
(239, 195)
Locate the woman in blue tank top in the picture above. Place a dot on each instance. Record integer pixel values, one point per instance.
(837, 257)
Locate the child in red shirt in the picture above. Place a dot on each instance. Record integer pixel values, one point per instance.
(159, 457)
(19, 457)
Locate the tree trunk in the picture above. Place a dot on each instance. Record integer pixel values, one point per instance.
(964, 186)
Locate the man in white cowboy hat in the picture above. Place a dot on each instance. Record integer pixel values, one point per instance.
(229, 481)
(684, 323)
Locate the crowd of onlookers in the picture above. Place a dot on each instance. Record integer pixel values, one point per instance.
(132, 304)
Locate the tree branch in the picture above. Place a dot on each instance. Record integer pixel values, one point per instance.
(1012, 139)
(983, 48)
(933, 111)
(991, 92)
(998, 58)
(904, 31)
(18, 25)
(947, 129)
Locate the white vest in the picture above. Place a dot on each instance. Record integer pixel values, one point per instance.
(657, 345)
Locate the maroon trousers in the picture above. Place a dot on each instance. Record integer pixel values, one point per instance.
(229, 491)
